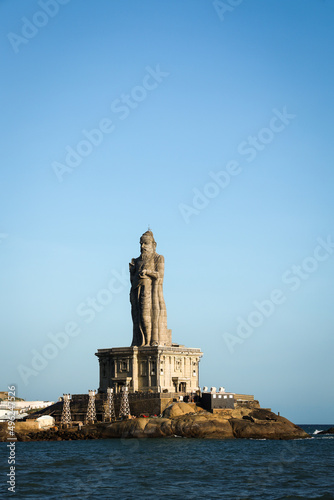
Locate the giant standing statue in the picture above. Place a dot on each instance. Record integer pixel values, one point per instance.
(148, 307)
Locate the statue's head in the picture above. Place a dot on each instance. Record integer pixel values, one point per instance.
(147, 243)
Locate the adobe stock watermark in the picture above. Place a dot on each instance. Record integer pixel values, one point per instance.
(122, 108)
(87, 485)
(11, 475)
(224, 7)
(30, 27)
(293, 279)
(261, 480)
(249, 148)
(3, 236)
(88, 309)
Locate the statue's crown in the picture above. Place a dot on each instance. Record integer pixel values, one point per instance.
(148, 235)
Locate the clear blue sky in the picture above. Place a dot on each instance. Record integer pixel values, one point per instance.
(180, 90)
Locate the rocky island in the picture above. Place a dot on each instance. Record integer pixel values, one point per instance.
(179, 419)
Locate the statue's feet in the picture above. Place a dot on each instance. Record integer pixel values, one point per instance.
(154, 343)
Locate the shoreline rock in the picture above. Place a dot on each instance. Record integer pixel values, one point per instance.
(183, 420)
(327, 431)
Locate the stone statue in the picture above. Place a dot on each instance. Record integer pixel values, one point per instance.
(148, 308)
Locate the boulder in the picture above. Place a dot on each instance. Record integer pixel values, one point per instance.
(202, 425)
(264, 424)
(180, 408)
(138, 428)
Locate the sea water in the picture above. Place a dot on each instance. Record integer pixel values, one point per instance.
(173, 468)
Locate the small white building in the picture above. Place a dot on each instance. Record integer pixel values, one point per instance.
(45, 421)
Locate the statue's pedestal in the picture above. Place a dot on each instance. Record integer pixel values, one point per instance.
(158, 368)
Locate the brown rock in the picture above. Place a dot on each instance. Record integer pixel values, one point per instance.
(139, 428)
(177, 409)
(202, 425)
(266, 425)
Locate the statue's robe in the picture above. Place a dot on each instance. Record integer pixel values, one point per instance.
(148, 307)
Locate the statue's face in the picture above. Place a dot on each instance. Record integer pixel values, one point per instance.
(146, 246)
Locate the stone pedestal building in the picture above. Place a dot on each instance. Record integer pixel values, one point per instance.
(156, 368)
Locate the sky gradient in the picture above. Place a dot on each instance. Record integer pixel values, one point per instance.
(214, 126)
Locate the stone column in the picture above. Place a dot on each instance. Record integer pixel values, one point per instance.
(149, 371)
(158, 370)
(135, 369)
